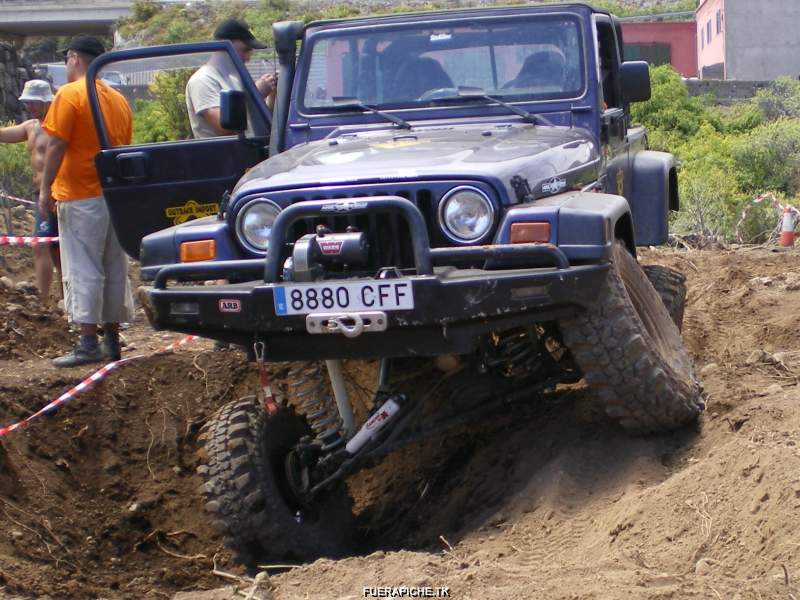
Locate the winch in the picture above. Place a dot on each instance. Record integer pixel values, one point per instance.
(314, 252)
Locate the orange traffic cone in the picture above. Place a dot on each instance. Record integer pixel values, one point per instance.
(787, 227)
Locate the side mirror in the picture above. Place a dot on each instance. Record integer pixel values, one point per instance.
(635, 77)
(233, 110)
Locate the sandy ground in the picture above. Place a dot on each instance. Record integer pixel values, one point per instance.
(100, 499)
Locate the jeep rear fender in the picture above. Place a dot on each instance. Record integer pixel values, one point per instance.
(654, 193)
(584, 225)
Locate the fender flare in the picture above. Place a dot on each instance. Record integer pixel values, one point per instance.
(654, 177)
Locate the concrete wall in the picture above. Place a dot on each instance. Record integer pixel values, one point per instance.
(725, 92)
(762, 39)
(679, 36)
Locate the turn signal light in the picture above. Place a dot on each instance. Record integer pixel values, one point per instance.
(523, 233)
(198, 250)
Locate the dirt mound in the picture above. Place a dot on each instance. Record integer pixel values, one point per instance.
(16, 262)
(29, 329)
(539, 502)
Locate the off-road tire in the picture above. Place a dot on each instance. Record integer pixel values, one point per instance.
(248, 495)
(631, 353)
(671, 286)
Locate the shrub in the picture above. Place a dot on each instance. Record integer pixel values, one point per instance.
(671, 110)
(780, 99)
(16, 176)
(768, 157)
(165, 117)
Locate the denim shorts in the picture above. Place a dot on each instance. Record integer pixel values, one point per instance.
(45, 227)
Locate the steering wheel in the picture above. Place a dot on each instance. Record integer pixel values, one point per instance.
(443, 92)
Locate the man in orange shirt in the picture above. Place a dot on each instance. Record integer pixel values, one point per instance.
(96, 286)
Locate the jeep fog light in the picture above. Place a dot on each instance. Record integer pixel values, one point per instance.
(466, 214)
(254, 224)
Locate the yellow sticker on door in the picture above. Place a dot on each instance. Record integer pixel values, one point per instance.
(191, 210)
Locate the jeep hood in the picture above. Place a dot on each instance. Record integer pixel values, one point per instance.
(493, 153)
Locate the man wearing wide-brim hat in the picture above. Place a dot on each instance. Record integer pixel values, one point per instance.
(36, 97)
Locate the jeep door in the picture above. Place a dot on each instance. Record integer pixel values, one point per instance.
(166, 176)
(614, 114)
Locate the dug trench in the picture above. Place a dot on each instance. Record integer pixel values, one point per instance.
(100, 499)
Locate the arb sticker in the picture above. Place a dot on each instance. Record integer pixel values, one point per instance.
(232, 305)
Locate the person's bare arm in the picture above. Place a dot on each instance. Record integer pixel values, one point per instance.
(16, 133)
(211, 115)
(53, 156)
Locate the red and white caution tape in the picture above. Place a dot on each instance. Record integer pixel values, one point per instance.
(15, 199)
(25, 240)
(758, 200)
(87, 383)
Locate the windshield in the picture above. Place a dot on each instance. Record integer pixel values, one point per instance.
(534, 58)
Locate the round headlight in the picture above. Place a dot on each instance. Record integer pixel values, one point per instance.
(466, 214)
(254, 224)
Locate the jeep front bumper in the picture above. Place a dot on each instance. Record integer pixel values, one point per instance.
(516, 285)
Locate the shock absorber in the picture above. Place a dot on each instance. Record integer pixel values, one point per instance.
(513, 353)
(317, 403)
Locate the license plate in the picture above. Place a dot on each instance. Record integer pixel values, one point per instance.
(302, 299)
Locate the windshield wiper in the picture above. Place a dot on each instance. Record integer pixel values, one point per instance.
(476, 93)
(349, 102)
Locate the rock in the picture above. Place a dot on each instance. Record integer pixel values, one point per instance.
(23, 285)
(226, 593)
(133, 507)
(703, 567)
(759, 281)
(13, 309)
(709, 368)
(792, 281)
(783, 357)
(773, 389)
(757, 356)
(6, 282)
(17, 534)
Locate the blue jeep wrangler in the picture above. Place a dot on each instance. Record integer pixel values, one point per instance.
(465, 185)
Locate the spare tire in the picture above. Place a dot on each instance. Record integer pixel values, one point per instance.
(631, 353)
(671, 286)
(247, 489)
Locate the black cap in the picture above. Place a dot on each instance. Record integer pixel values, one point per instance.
(86, 44)
(234, 29)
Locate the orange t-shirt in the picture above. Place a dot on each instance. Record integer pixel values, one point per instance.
(70, 119)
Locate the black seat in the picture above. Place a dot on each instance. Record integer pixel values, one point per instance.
(417, 76)
(543, 68)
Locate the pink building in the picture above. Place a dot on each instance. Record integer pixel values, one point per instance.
(662, 42)
(748, 40)
(710, 18)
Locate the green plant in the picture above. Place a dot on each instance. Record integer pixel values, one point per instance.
(16, 176)
(768, 157)
(164, 118)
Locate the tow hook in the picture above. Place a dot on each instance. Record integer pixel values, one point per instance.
(350, 325)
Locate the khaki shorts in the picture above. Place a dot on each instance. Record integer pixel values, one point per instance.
(94, 266)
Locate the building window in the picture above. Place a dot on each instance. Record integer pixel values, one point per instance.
(702, 39)
(708, 32)
(719, 21)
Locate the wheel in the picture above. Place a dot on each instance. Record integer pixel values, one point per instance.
(671, 286)
(248, 491)
(631, 353)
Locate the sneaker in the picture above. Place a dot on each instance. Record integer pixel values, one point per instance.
(80, 355)
(111, 347)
